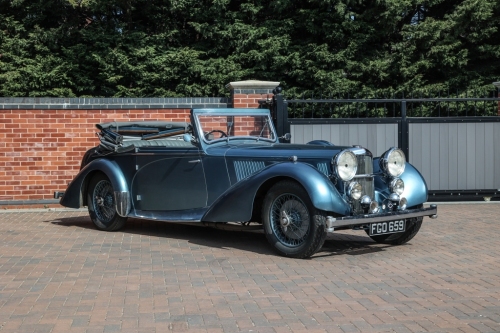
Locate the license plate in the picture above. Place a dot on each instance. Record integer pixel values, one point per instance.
(390, 227)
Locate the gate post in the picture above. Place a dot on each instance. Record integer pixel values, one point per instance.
(247, 94)
(279, 112)
(497, 85)
(404, 135)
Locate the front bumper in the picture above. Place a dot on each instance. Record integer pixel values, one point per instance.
(352, 221)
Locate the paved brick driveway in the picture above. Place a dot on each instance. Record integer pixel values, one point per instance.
(59, 274)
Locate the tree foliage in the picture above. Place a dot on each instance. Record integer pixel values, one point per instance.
(139, 48)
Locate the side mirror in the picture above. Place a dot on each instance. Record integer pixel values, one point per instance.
(286, 137)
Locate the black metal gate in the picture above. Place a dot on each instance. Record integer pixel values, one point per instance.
(458, 117)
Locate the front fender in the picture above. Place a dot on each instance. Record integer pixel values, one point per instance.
(416, 191)
(415, 186)
(73, 196)
(236, 204)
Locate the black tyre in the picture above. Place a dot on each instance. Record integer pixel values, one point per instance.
(412, 227)
(101, 204)
(291, 224)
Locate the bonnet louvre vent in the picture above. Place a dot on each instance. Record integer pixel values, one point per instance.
(323, 168)
(245, 169)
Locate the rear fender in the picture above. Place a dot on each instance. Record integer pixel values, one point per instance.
(74, 195)
(236, 204)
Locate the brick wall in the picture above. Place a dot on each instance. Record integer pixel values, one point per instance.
(249, 100)
(41, 150)
(247, 94)
(42, 140)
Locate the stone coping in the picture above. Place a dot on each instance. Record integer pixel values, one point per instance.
(253, 84)
(21, 103)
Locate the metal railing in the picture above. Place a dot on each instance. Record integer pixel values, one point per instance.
(313, 107)
(406, 117)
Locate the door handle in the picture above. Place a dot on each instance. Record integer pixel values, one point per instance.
(194, 161)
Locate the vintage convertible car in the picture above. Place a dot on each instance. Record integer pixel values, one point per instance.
(228, 169)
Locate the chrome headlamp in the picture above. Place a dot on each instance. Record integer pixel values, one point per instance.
(393, 162)
(374, 208)
(355, 190)
(397, 186)
(403, 203)
(345, 165)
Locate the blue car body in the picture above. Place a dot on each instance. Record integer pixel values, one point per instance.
(180, 173)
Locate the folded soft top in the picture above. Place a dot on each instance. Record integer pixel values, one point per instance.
(127, 125)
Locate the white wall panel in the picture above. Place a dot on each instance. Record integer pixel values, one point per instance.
(376, 137)
(450, 156)
(457, 156)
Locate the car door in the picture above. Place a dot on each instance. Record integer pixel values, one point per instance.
(169, 178)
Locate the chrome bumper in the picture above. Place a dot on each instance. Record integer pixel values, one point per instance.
(346, 221)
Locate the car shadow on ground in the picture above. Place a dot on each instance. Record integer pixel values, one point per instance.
(252, 241)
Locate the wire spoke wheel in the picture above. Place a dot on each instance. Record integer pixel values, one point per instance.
(102, 205)
(290, 219)
(103, 201)
(293, 226)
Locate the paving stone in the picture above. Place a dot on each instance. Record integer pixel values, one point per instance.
(59, 274)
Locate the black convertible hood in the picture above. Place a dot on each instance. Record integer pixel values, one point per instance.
(124, 125)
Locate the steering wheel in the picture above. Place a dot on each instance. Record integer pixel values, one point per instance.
(223, 134)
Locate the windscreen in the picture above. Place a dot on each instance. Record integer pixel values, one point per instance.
(216, 127)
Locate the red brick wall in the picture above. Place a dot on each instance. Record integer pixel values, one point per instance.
(249, 100)
(41, 150)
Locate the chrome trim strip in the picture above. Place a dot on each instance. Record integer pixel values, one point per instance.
(180, 216)
(365, 219)
(122, 203)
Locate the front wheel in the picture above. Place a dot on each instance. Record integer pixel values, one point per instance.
(101, 204)
(291, 223)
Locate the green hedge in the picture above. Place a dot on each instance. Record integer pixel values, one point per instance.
(141, 48)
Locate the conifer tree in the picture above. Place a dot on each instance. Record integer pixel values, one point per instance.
(171, 48)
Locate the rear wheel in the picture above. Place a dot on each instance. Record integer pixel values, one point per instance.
(291, 223)
(101, 204)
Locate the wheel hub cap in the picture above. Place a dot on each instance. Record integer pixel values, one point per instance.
(285, 221)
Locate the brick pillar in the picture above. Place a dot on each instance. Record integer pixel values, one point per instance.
(246, 94)
(497, 84)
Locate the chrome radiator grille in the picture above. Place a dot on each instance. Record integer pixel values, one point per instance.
(365, 178)
(365, 165)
